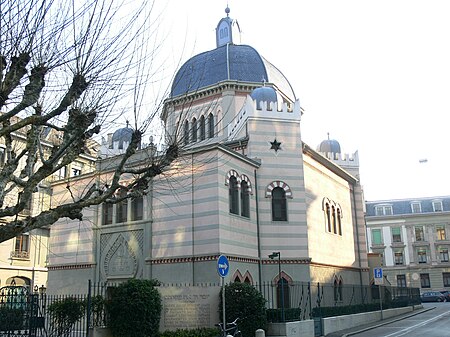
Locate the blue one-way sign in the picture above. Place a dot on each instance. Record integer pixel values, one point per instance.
(223, 265)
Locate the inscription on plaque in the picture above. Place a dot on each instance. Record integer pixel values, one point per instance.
(187, 311)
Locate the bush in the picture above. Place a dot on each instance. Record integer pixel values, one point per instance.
(201, 332)
(134, 309)
(243, 301)
(65, 313)
(11, 319)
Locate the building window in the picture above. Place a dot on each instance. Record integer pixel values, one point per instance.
(419, 233)
(122, 208)
(107, 213)
(443, 254)
(376, 237)
(283, 293)
(22, 247)
(2, 155)
(401, 281)
(194, 130)
(61, 173)
(425, 281)
(415, 207)
(186, 132)
(422, 256)
(437, 206)
(396, 234)
(234, 195)
(245, 199)
(337, 287)
(383, 210)
(328, 211)
(398, 258)
(339, 216)
(211, 125)
(137, 208)
(440, 231)
(446, 279)
(279, 204)
(76, 171)
(333, 216)
(202, 128)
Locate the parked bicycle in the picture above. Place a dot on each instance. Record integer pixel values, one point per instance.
(230, 330)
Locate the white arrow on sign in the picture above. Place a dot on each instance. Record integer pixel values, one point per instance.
(223, 266)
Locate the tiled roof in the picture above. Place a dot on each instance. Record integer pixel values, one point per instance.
(229, 62)
(403, 206)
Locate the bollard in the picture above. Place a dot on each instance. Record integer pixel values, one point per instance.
(260, 333)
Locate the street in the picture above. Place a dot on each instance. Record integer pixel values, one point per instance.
(433, 323)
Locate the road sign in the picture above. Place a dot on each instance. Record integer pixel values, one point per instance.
(378, 276)
(223, 265)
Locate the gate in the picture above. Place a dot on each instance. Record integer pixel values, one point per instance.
(19, 313)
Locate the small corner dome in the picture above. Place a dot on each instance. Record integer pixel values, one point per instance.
(264, 94)
(122, 136)
(329, 146)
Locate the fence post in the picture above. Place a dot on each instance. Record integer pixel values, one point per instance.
(88, 309)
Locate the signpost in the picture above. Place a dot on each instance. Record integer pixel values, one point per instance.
(378, 280)
(223, 266)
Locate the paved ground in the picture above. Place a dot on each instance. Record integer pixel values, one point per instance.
(362, 328)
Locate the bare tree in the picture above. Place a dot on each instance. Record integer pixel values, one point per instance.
(67, 69)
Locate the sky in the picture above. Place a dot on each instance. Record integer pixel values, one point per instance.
(375, 75)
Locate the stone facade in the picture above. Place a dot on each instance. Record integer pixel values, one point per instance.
(413, 238)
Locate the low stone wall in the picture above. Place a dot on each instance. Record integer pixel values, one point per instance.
(291, 329)
(337, 323)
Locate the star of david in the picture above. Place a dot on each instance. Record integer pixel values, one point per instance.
(275, 145)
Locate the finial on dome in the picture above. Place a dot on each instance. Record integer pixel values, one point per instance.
(227, 10)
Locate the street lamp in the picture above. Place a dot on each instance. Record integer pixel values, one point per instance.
(273, 256)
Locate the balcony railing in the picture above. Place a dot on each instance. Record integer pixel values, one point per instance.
(20, 255)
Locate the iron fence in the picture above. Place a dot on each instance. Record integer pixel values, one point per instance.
(25, 314)
(304, 300)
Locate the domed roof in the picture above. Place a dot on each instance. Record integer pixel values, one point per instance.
(122, 136)
(231, 62)
(264, 94)
(329, 146)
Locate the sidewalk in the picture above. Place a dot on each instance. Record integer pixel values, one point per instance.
(362, 328)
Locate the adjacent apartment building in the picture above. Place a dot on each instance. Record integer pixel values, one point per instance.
(413, 238)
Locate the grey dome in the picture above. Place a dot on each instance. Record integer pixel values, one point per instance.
(329, 146)
(122, 136)
(240, 63)
(264, 94)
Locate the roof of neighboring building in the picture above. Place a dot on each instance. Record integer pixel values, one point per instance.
(403, 206)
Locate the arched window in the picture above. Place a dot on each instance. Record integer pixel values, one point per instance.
(339, 223)
(234, 195)
(202, 128)
(333, 216)
(283, 293)
(337, 287)
(245, 199)
(194, 130)
(211, 125)
(328, 214)
(186, 132)
(279, 209)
